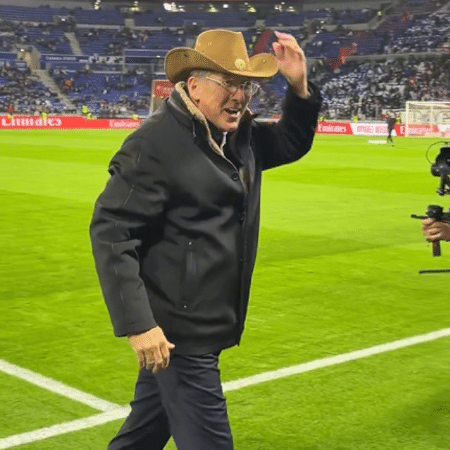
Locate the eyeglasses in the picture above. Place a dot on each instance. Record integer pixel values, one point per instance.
(248, 88)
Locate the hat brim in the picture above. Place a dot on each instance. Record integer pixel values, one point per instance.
(179, 62)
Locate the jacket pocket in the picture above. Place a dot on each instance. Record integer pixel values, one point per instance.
(190, 276)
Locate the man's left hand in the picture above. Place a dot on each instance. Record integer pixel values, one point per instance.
(291, 63)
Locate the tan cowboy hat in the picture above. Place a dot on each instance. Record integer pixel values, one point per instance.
(219, 51)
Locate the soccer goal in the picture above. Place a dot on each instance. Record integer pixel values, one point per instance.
(427, 119)
(161, 89)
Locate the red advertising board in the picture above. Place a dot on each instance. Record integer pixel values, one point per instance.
(334, 128)
(64, 122)
(162, 88)
(417, 129)
(358, 128)
(80, 122)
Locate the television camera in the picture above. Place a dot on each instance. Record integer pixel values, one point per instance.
(439, 168)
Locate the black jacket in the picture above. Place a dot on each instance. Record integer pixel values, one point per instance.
(174, 233)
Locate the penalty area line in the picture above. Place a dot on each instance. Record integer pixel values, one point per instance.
(63, 428)
(57, 387)
(122, 412)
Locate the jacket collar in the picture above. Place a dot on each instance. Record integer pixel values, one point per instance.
(187, 113)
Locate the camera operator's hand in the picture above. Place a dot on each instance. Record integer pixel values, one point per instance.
(435, 231)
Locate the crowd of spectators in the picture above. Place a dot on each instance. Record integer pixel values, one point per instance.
(10, 37)
(46, 37)
(365, 88)
(351, 16)
(404, 34)
(353, 88)
(125, 107)
(425, 34)
(107, 94)
(115, 41)
(21, 92)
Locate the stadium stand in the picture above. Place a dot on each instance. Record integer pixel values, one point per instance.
(115, 41)
(409, 27)
(367, 88)
(179, 19)
(106, 93)
(99, 17)
(365, 60)
(42, 14)
(328, 15)
(21, 92)
(46, 38)
(425, 34)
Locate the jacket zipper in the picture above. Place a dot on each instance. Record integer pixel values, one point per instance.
(190, 263)
(241, 257)
(194, 134)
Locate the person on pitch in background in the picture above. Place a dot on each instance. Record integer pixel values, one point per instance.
(391, 120)
(174, 233)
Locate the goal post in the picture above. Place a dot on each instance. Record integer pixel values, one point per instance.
(427, 119)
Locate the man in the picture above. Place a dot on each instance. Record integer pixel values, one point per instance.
(174, 233)
(391, 120)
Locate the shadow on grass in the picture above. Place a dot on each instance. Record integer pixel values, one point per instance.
(429, 421)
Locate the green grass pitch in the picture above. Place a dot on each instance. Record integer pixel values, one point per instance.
(337, 271)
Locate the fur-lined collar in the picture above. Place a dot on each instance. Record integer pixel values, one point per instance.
(180, 88)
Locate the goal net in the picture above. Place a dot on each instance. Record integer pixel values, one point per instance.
(427, 119)
(161, 89)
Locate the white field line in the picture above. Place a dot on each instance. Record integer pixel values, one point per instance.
(63, 428)
(57, 387)
(333, 360)
(122, 412)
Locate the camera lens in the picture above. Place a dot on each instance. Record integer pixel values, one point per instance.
(442, 164)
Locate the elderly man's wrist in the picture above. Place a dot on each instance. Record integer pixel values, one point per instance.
(302, 91)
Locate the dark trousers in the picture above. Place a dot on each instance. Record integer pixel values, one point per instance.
(389, 138)
(185, 401)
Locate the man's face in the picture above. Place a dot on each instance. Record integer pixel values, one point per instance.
(220, 99)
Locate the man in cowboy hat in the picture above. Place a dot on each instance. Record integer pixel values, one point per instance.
(174, 233)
